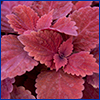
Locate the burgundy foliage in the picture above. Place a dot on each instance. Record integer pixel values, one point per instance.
(49, 50)
(21, 93)
(90, 92)
(15, 61)
(62, 86)
(6, 8)
(6, 88)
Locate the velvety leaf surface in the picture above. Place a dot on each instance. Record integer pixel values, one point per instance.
(21, 93)
(6, 8)
(65, 50)
(14, 60)
(44, 21)
(6, 88)
(59, 61)
(23, 19)
(60, 8)
(81, 63)
(93, 80)
(58, 85)
(42, 45)
(87, 21)
(90, 92)
(65, 25)
(81, 4)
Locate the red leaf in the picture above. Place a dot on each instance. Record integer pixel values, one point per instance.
(44, 21)
(21, 93)
(23, 19)
(6, 88)
(65, 25)
(65, 50)
(87, 21)
(59, 62)
(14, 60)
(93, 80)
(60, 8)
(81, 4)
(6, 8)
(81, 63)
(95, 52)
(58, 85)
(42, 45)
(90, 92)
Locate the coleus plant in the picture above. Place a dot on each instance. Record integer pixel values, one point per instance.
(49, 50)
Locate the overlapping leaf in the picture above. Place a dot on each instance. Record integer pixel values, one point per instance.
(42, 45)
(6, 88)
(60, 8)
(81, 4)
(58, 85)
(95, 52)
(65, 25)
(81, 63)
(87, 21)
(93, 80)
(21, 93)
(59, 61)
(90, 92)
(65, 50)
(14, 60)
(6, 8)
(45, 21)
(23, 19)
